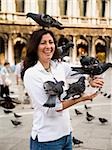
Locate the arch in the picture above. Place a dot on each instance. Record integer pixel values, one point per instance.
(2, 50)
(100, 47)
(19, 49)
(82, 46)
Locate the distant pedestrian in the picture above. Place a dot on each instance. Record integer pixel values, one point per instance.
(5, 76)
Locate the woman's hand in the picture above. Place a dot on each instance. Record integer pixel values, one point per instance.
(88, 97)
(96, 82)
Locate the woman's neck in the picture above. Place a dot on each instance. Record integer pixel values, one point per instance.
(46, 65)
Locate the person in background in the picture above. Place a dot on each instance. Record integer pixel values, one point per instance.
(18, 70)
(5, 76)
(51, 128)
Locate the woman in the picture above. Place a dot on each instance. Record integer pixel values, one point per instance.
(51, 126)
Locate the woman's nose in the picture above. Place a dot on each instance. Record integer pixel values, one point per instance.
(48, 45)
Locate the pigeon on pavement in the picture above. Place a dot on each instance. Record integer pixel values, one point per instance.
(103, 120)
(76, 141)
(16, 123)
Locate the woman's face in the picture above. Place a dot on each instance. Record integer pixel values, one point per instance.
(46, 48)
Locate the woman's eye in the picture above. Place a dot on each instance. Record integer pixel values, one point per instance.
(51, 42)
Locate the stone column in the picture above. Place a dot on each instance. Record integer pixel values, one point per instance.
(93, 51)
(4, 5)
(10, 53)
(110, 52)
(74, 53)
(94, 11)
(72, 8)
(10, 6)
(31, 6)
(53, 7)
(110, 10)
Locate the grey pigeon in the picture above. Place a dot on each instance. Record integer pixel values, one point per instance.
(53, 90)
(45, 20)
(76, 89)
(64, 49)
(87, 61)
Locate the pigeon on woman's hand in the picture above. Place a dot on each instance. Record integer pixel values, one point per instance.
(87, 61)
(92, 70)
(76, 89)
(53, 90)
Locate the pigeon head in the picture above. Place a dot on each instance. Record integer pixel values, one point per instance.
(28, 15)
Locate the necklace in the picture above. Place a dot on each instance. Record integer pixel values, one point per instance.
(48, 69)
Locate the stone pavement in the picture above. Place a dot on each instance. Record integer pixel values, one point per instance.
(94, 135)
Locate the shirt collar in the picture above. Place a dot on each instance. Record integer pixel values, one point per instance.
(41, 68)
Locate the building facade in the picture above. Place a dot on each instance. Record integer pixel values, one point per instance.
(88, 23)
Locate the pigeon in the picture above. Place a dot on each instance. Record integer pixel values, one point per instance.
(16, 115)
(86, 107)
(53, 90)
(103, 120)
(76, 141)
(92, 70)
(6, 111)
(51, 101)
(76, 89)
(87, 61)
(78, 112)
(8, 103)
(45, 20)
(89, 117)
(105, 94)
(64, 49)
(109, 96)
(16, 123)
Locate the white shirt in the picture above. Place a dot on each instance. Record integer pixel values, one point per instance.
(48, 124)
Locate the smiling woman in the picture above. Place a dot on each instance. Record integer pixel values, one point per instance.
(42, 66)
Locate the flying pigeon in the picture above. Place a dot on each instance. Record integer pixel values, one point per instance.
(45, 20)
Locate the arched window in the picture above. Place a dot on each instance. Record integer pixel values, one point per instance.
(19, 5)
